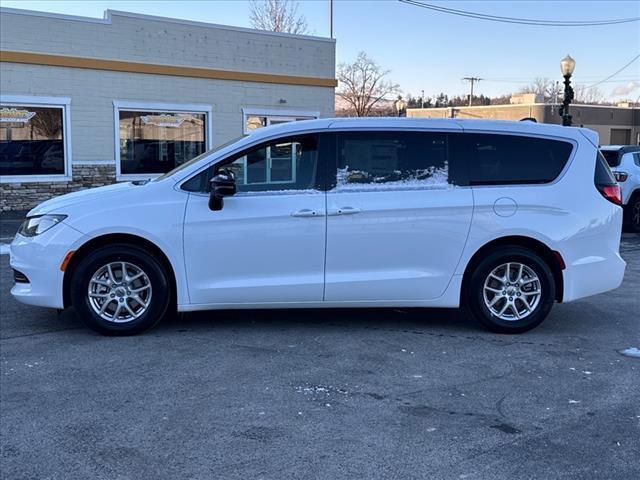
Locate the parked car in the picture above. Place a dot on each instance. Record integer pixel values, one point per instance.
(504, 218)
(624, 161)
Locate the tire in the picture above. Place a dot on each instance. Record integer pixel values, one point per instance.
(145, 291)
(632, 214)
(478, 291)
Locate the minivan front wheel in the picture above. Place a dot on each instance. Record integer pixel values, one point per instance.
(511, 290)
(120, 290)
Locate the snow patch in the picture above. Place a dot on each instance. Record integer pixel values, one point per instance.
(631, 352)
(4, 249)
(359, 180)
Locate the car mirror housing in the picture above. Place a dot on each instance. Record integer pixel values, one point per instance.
(223, 184)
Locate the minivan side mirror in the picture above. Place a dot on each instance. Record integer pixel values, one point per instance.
(223, 184)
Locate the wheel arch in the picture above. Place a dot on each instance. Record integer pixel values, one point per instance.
(551, 257)
(110, 239)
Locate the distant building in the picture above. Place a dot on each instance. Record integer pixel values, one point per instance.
(618, 125)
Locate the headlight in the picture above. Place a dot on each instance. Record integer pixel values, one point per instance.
(33, 226)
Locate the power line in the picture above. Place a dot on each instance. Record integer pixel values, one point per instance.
(520, 21)
(615, 73)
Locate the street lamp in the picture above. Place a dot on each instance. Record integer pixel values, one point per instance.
(400, 105)
(567, 65)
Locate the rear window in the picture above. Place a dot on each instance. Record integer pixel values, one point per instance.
(603, 175)
(612, 157)
(497, 159)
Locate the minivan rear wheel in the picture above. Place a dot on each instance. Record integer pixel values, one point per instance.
(511, 290)
(120, 290)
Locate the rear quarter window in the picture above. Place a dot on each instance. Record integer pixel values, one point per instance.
(603, 175)
(499, 159)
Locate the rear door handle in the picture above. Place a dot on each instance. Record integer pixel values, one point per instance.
(344, 211)
(306, 212)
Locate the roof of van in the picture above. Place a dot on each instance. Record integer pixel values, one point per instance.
(622, 149)
(417, 123)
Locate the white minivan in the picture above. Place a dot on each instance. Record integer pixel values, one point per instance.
(504, 218)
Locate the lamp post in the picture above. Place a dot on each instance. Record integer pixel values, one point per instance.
(400, 105)
(567, 65)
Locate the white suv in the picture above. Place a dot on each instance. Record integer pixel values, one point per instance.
(625, 164)
(504, 218)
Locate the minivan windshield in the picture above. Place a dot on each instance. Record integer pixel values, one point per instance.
(181, 167)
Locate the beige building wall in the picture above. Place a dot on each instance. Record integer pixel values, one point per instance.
(613, 124)
(156, 63)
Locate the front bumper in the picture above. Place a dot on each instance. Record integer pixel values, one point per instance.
(39, 259)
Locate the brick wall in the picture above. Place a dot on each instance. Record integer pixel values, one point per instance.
(26, 195)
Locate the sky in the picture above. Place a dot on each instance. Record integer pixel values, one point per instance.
(433, 51)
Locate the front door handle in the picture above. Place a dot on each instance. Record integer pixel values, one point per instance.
(344, 211)
(306, 212)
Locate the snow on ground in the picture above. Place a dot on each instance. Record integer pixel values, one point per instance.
(4, 249)
(631, 352)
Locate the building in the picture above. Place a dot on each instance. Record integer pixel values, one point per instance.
(86, 102)
(616, 125)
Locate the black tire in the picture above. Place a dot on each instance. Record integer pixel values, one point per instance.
(474, 289)
(159, 301)
(632, 214)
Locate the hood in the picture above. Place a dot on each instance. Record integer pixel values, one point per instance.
(58, 204)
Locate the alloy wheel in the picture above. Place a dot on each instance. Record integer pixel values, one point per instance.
(512, 291)
(119, 292)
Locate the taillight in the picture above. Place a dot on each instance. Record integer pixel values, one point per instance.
(611, 193)
(621, 176)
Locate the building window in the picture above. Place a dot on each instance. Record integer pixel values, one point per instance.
(152, 141)
(34, 142)
(258, 118)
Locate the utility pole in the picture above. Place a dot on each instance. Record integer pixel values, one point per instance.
(471, 80)
(422, 100)
(330, 18)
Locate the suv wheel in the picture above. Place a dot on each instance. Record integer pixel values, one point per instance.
(120, 290)
(632, 214)
(511, 290)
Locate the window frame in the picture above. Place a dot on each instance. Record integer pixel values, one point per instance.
(560, 175)
(156, 107)
(63, 103)
(333, 161)
(321, 169)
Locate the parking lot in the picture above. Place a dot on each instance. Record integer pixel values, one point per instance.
(324, 394)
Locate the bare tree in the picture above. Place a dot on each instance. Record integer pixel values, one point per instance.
(278, 16)
(362, 85)
(541, 86)
(586, 95)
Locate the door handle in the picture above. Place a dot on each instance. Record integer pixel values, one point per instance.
(306, 212)
(344, 211)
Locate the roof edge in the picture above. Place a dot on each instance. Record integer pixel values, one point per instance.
(108, 14)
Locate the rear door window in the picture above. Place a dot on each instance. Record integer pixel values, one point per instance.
(498, 159)
(393, 160)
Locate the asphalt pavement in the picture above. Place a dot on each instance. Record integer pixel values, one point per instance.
(324, 394)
